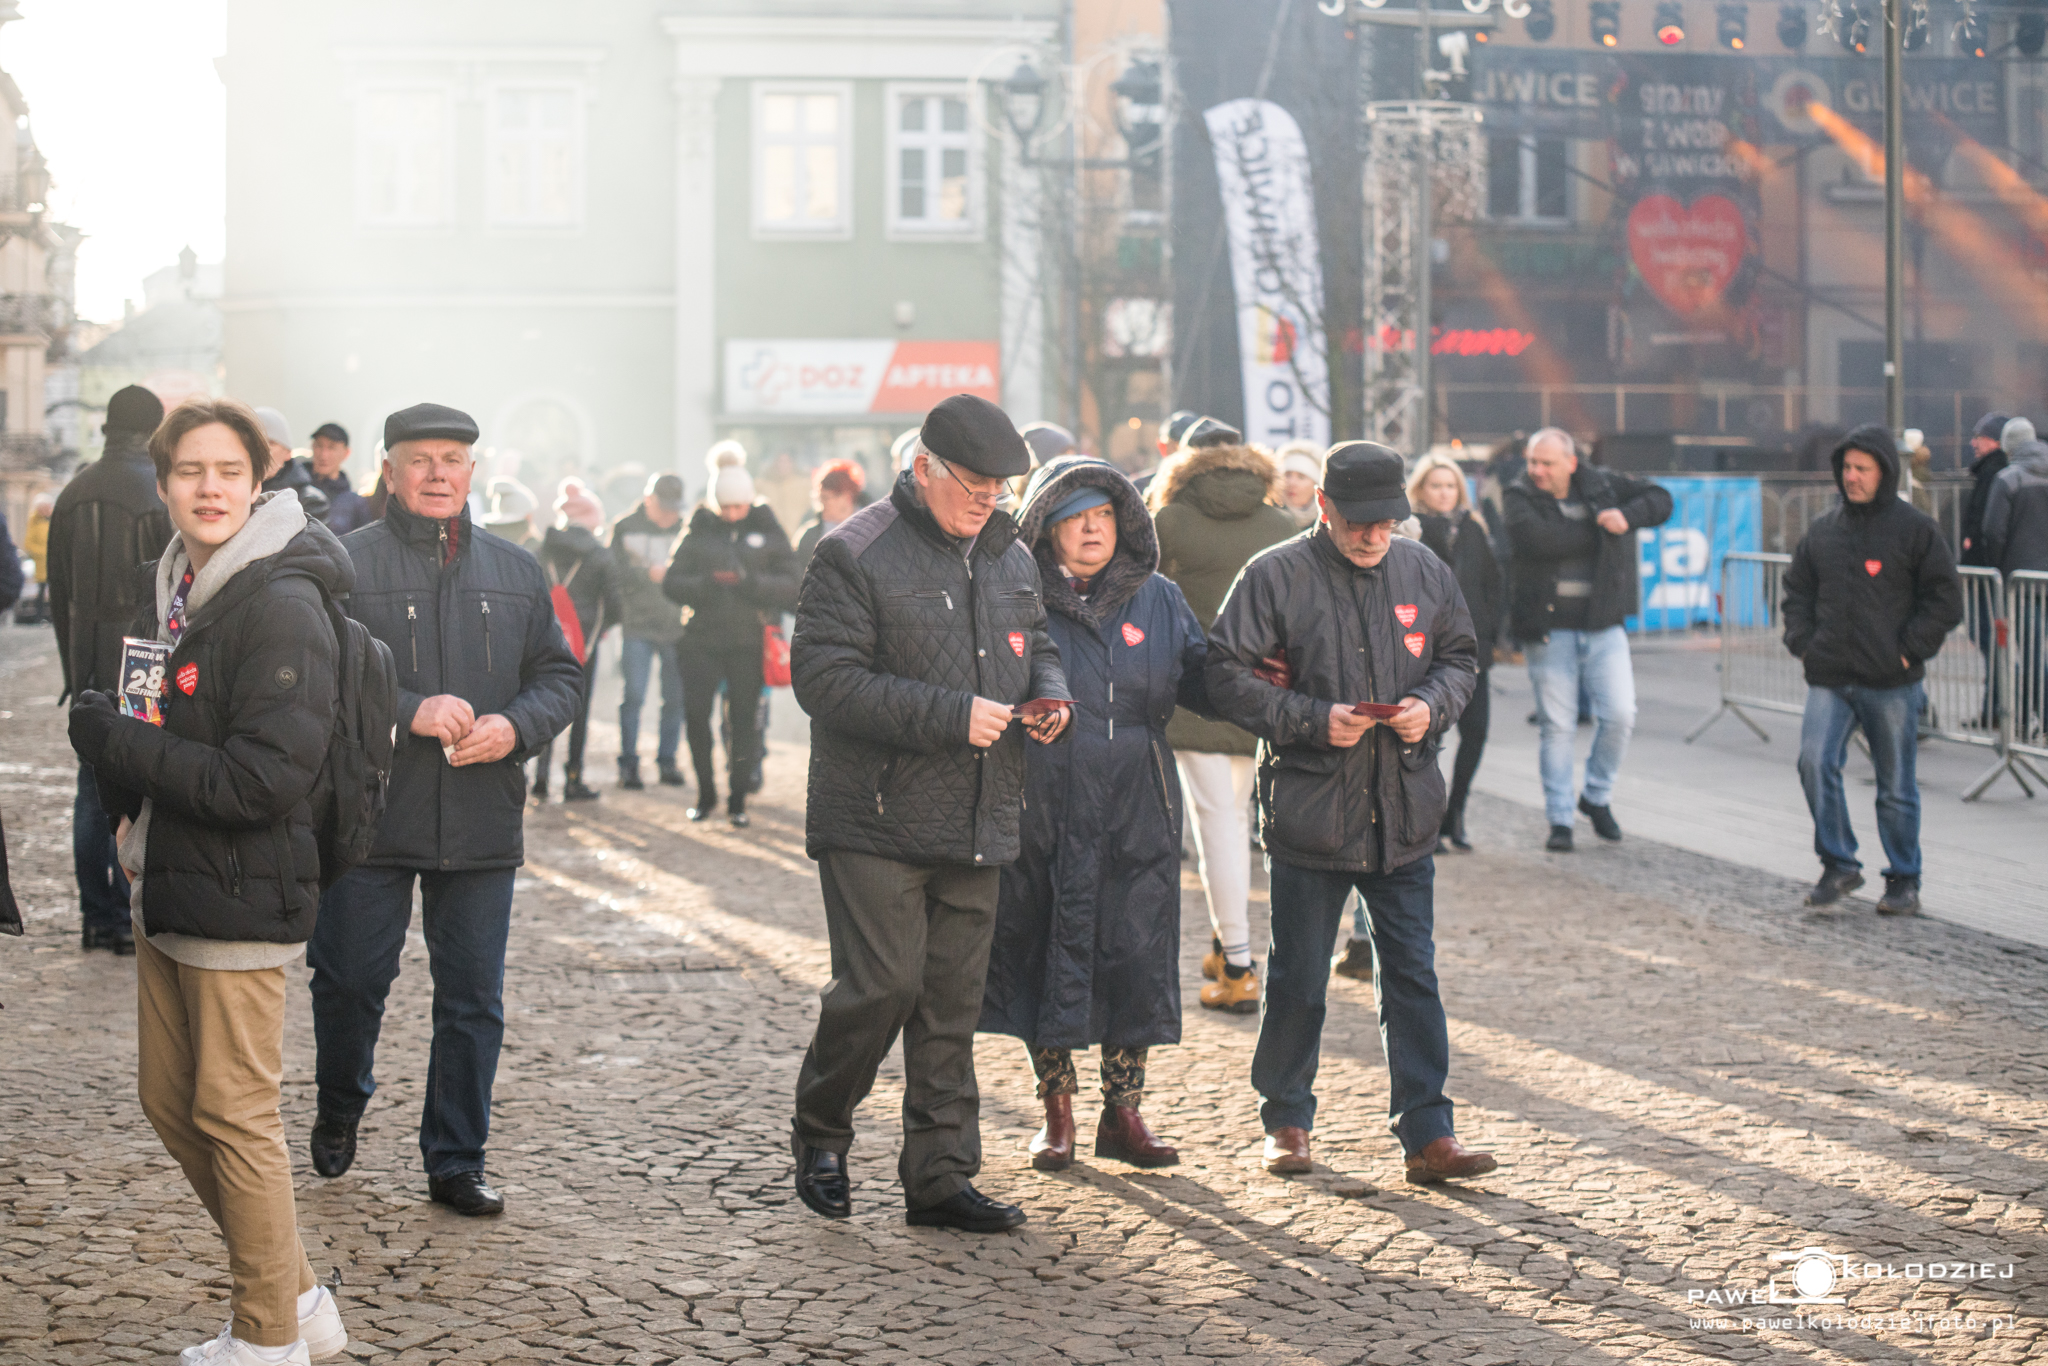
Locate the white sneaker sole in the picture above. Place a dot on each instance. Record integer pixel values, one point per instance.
(324, 1335)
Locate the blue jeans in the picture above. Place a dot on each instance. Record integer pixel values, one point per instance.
(354, 956)
(1890, 718)
(636, 662)
(1308, 908)
(102, 886)
(1597, 664)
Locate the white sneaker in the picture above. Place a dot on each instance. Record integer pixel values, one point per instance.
(322, 1330)
(229, 1350)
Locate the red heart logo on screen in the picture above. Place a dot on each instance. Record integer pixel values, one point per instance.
(1871, 567)
(188, 679)
(1132, 635)
(1687, 255)
(1414, 640)
(1405, 614)
(1017, 643)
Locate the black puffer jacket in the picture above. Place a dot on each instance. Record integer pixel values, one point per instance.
(1350, 635)
(1984, 472)
(1541, 538)
(730, 615)
(1460, 541)
(483, 629)
(231, 853)
(108, 523)
(574, 557)
(1869, 583)
(898, 629)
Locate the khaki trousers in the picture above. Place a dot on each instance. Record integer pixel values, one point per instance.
(209, 1062)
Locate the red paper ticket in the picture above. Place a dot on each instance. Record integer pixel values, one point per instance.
(1378, 711)
(1036, 707)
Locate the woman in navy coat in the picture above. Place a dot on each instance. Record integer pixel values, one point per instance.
(1087, 939)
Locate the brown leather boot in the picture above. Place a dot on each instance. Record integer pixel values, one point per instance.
(1448, 1160)
(1052, 1149)
(1122, 1135)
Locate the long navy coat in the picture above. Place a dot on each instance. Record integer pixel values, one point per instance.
(1087, 937)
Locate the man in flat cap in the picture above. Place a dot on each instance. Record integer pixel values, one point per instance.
(1348, 799)
(485, 680)
(919, 632)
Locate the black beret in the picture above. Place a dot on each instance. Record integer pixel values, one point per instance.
(976, 435)
(134, 409)
(427, 422)
(332, 431)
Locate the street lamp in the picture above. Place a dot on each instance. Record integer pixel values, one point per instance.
(1023, 96)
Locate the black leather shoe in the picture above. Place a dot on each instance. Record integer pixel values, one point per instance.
(465, 1193)
(969, 1211)
(575, 790)
(671, 776)
(629, 775)
(1834, 884)
(1901, 896)
(1604, 824)
(1560, 841)
(740, 820)
(333, 1144)
(90, 939)
(821, 1181)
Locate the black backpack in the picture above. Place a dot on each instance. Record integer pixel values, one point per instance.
(348, 796)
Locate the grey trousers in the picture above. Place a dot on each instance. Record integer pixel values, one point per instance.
(910, 949)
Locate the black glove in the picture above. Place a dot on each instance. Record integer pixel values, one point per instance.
(93, 718)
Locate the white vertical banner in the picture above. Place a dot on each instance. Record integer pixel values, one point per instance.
(1262, 171)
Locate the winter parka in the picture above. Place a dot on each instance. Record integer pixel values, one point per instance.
(1349, 635)
(108, 523)
(729, 616)
(899, 627)
(1869, 583)
(638, 545)
(1541, 538)
(479, 626)
(248, 706)
(2016, 516)
(1460, 540)
(1087, 937)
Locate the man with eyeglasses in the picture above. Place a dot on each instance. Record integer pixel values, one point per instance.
(920, 637)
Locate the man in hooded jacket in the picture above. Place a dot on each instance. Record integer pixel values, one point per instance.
(1871, 595)
(2016, 535)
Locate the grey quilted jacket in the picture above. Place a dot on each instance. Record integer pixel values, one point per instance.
(897, 631)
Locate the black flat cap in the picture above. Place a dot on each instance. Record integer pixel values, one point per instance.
(1204, 432)
(331, 431)
(134, 409)
(1176, 424)
(976, 435)
(429, 422)
(1364, 482)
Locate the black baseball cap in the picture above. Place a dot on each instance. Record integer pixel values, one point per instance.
(667, 490)
(331, 431)
(1365, 482)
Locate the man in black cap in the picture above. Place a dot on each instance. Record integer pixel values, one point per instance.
(346, 509)
(1989, 459)
(1170, 433)
(108, 522)
(485, 680)
(919, 631)
(643, 542)
(1349, 798)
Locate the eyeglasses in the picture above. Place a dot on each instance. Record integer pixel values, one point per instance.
(989, 499)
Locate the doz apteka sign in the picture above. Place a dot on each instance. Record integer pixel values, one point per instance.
(843, 378)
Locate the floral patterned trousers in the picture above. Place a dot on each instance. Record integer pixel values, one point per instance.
(1123, 1074)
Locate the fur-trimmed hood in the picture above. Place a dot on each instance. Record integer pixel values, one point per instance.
(1251, 478)
(1137, 543)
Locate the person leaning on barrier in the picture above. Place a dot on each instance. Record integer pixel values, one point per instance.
(1870, 596)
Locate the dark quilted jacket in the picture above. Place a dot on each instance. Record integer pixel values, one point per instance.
(897, 631)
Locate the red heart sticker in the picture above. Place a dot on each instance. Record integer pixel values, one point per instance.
(1405, 614)
(1132, 635)
(188, 679)
(1687, 254)
(1871, 567)
(1414, 640)
(1017, 643)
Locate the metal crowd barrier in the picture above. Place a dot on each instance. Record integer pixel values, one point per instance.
(1962, 699)
(2022, 686)
(1757, 671)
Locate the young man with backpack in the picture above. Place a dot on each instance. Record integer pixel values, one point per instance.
(485, 680)
(219, 831)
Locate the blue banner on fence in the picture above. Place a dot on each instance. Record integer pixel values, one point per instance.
(1681, 560)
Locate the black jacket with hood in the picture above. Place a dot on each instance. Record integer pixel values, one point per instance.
(1984, 472)
(573, 557)
(248, 706)
(480, 626)
(1541, 539)
(1872, 592)
(107, 524)
(729, 616)
(899, 627)
(1350, 635)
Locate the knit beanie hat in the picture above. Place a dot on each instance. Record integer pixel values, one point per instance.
(1301, 457)
(730, 482)
(2017, 430)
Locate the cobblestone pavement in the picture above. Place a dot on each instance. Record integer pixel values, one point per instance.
(1681, 1075)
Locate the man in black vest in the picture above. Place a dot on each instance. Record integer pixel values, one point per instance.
(108, 523)
(485, 680)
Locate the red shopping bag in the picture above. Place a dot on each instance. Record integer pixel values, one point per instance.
(774, 656)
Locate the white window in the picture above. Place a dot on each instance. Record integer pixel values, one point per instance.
(803, 160)
(1527, 179)
(403, 157)
(534, 171)
(934, 176)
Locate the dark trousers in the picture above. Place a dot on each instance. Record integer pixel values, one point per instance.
(739, 669)
(909, 955)
(579, 730)
(1308, 907)
(1472, 726)
(102, 886)
(354, 956)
